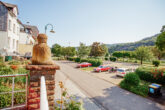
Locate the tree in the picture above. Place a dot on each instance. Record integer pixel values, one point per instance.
(97, 49)
(160, 41)
(83, 50)
(56, 50)
(143, 53)
(157, 53)
(68, 51)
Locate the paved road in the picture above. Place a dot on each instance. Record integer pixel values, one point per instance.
(109, 96)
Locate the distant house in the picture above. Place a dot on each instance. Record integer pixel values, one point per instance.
(15, 37)
(28, 35)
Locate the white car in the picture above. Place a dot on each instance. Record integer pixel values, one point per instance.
(121, 72)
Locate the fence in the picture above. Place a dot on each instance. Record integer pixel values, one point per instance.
(13, 91)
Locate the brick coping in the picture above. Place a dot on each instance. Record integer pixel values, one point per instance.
(41, 67)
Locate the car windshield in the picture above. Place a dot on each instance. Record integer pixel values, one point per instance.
(120, 70)
(100, 66)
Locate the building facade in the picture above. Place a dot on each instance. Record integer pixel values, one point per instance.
(13, 33)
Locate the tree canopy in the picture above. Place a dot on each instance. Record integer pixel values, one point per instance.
(160, 41)
(83, 50)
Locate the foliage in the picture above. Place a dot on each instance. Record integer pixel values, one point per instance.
(67, 102)
(143, 53)
(84, 60)
(156, 63)
(15, 62)
(1, 59)
(77, 59)
(71, 58)
(56, 50)
(14, 67)
(5, 101)
(132, 79)
(113, 59)
(158, 53)
(95, 62)
(151, 75)
(160, 41)
(106, 58)
(131, 83)
(107, 54)
(68, 51)
(149, 41)
(83, 50)
(98, 49)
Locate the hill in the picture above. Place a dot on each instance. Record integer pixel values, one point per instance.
(149, 41)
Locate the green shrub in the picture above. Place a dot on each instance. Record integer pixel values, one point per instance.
(5, 100)
(14, 62)
(156, 63)
(131, 83)
(113, 59)
(84, 60)
(132, 79)
(71, 58)
(151, 75)
(77, 59)
(106, 58)
(1, 59)
(95, 62)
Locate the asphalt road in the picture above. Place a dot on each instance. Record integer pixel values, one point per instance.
(105, 94)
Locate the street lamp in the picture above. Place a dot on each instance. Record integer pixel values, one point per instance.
(52, 31)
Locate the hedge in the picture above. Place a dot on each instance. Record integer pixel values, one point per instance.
(151, 75)
(113, 59)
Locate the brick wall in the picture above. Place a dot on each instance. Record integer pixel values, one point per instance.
(36, 71)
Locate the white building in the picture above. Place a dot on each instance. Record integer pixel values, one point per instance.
(9, 28)
(10, 35)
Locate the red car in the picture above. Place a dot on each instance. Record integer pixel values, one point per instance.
(102, 68)
(84, 64)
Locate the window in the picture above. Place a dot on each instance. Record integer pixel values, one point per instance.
(9, 25)
(14, 28)
(18, 30)
(13, 43)
(9, 42)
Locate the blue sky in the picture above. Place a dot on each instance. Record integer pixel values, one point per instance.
(106, 21)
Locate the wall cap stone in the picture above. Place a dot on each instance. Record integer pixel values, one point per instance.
(41, 67)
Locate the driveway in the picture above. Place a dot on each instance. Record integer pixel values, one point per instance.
(106, 94)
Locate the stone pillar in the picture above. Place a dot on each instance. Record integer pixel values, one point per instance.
(36, 71)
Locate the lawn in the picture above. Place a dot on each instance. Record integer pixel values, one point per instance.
(88, 68)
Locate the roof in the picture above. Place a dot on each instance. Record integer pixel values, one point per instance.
(8, 5)
(34, 29)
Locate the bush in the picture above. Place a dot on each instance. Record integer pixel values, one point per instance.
(131, 83)
(113, 59)
(84, 60)
(5, 100)
(95, 62)
(106, 58)
(14, 62)
(71, 58)
(156, 63)
(132, 79)
(77, 59)
(1, 59)
(151, 75)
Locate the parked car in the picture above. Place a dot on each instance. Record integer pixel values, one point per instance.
(84, 64)
(102, 68)
(121, 72)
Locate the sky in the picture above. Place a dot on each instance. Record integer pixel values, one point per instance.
(87, 21)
